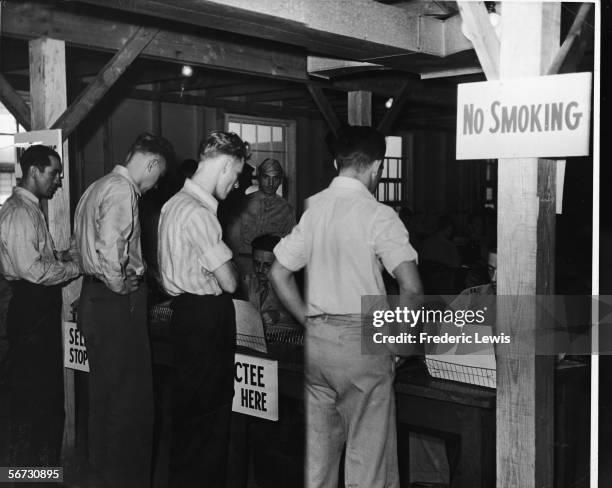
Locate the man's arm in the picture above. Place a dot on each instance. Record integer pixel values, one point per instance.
(410, 296)
(115, 226)
(22, 244)
(227, 276)
(283, 282)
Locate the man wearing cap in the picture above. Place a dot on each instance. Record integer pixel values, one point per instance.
(35, 273)
(264, 212)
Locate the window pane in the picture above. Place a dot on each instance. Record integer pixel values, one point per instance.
(234, 127)
(7, 150)
(264, 135)
(394, 147)
(249, 135)
(393, 163)
(277, 134)
(7, 181)
(7, 123)
(391, 195)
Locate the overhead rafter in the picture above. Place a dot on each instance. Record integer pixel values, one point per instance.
(30, 20)
(343, 29)
(96, 90)
(571, 42)
(482, 35)
(14, 103)
(325, 107)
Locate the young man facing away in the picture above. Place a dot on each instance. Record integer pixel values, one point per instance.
(342, 239)
(196, 269)
(113, 316)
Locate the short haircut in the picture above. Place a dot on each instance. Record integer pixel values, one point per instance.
(39, 156)
(147, 143)
(219, 142)
(358, 147)
(267, 242)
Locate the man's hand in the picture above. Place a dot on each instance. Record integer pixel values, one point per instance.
(131, 282)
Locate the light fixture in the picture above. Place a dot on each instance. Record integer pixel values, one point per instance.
(389, 103)
(186, 70)
(494, 19)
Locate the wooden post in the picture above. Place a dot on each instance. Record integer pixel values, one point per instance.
(360, 108)
(48, 95)
(526, 247)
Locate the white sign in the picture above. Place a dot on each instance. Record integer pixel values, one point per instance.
(75, 351)
(255, 387)
(51, 138)
(547, 116)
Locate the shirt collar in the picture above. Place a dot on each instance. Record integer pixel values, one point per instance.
(200, 194)
(350, 184)
(23, 193)
(123, 171)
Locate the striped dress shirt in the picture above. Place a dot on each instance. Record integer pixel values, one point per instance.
(107, 229)
(189, 243)
(26, 246)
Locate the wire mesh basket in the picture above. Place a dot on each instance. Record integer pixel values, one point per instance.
(160, 313)
(463, 373)
(285, 334)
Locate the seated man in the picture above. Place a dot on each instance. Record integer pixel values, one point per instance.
(256, 287)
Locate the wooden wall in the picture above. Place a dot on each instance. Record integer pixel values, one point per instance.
(105, 137)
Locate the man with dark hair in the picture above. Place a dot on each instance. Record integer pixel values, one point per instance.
(35, 272)
(113, 316)
(343, 239)
(256, 286)
(263, 212)
(196, 269)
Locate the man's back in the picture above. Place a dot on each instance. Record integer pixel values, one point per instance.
(345, 236)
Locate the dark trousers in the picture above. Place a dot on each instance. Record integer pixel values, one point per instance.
(35, 374)
(120, 384)
(204, 337)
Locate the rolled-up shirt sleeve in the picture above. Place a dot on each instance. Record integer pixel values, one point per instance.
(204, 235)
(115, 226)
(28, 259)
(291, 250)
(390, 238)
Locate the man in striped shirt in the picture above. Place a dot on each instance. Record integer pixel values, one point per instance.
(36, 273)
(196, 268)
(113, 316)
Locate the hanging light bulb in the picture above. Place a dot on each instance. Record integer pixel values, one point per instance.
(389, 103)
(186, 70)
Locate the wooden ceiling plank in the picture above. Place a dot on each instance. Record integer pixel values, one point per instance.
(396, 109)
(96, 90)
(572, 41)
(325, 108)
(14, 103)
(476, 21)
(30, 20)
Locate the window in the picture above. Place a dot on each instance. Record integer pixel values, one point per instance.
(269, 138)
(8, 154)
(391, 186)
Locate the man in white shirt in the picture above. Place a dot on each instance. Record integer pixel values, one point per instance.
(344, 238)
(196, 269)
(36, 273)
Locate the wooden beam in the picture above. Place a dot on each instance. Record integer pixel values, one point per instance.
(482, 35)
(325, 108)
(33, 19)
(525, 250)
(396, 109)
(350, 30)
(96, 90)
(360, 108)
(14, 103)
(572, 40)
(49, 100)
(277, 95)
